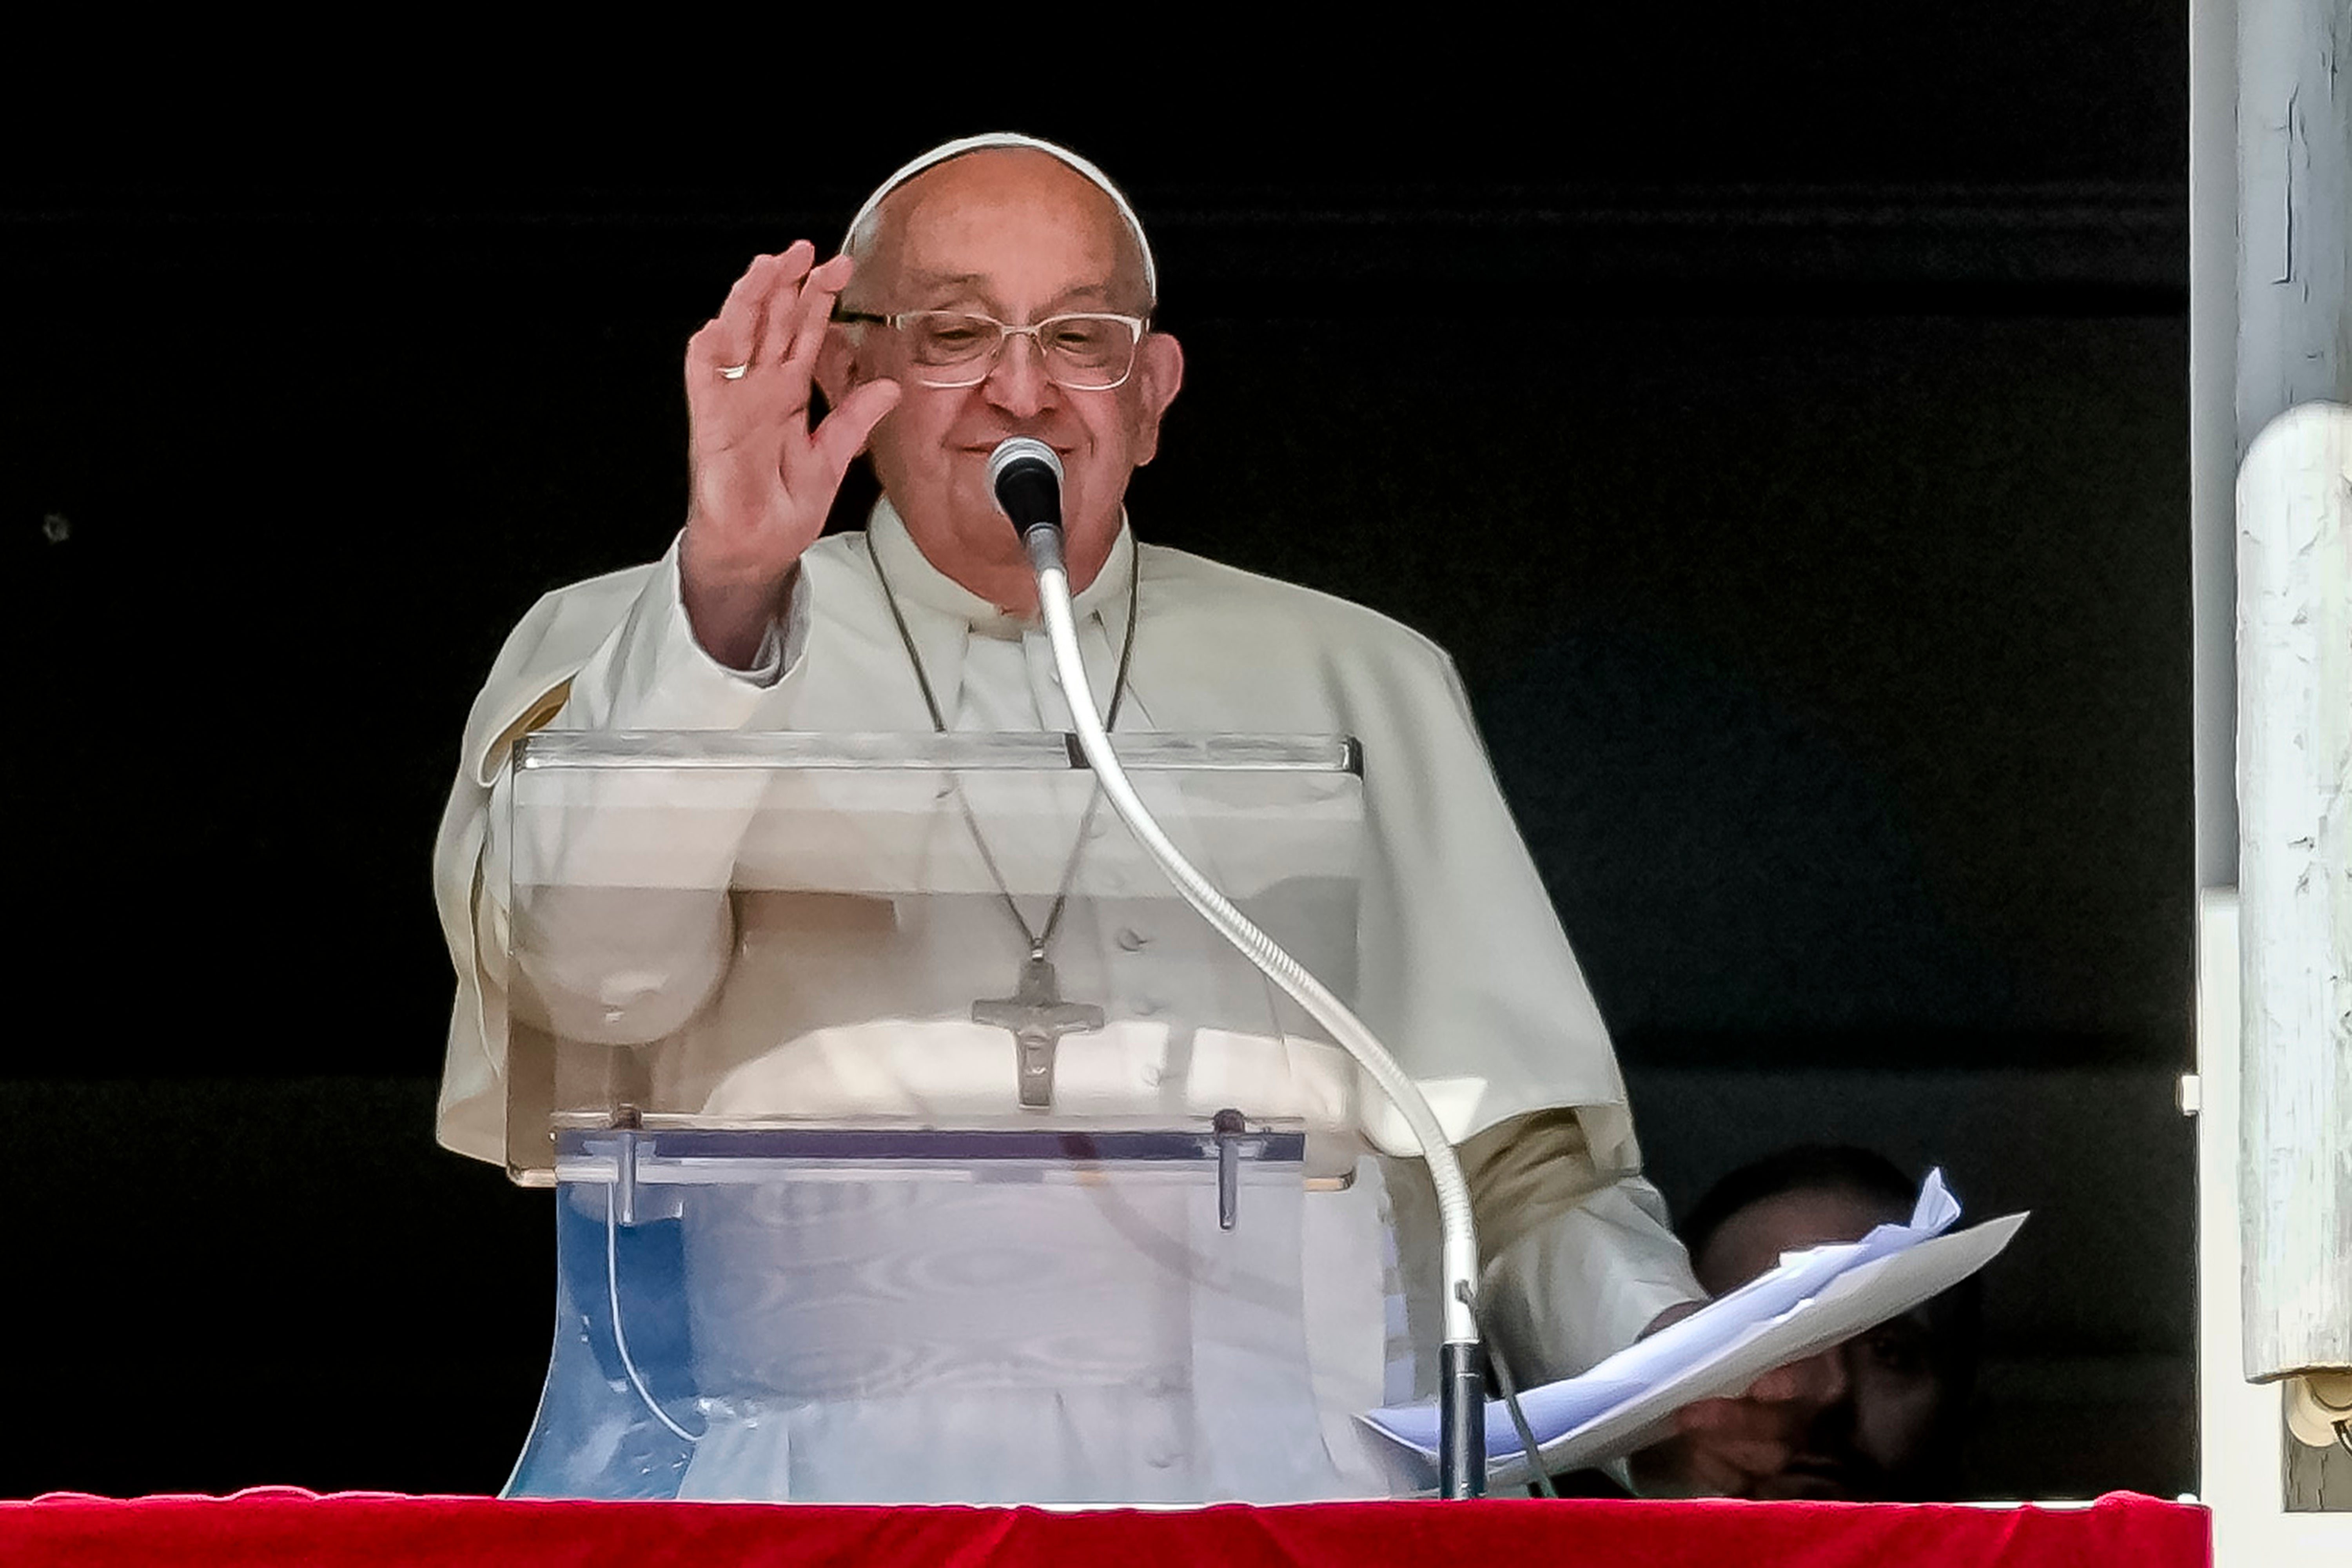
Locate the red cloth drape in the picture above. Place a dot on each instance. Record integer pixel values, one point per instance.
(283, 1525)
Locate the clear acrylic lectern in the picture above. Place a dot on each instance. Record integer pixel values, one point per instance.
(912, 1139)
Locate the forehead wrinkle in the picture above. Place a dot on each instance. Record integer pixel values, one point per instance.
(920, 285)
(922, 278)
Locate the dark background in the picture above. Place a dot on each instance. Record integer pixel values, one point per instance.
(1782, 418)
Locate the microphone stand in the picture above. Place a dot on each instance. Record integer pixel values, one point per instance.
(1462, 1407)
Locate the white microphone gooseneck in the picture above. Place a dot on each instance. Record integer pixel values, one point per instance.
(1463, 1472)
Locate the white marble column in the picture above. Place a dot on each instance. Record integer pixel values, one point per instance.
(2294, 375)
(2294, 808)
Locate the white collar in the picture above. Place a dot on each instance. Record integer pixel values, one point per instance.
(916, 582)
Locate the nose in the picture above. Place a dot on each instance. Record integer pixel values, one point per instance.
(1017, 384)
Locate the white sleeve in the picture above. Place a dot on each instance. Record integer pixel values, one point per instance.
(1576, 1260)
(651, 673)
(592, 967)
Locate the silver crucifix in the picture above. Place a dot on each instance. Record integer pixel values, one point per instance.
(1038, 1018)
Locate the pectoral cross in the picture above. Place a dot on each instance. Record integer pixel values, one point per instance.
(1038, 1018)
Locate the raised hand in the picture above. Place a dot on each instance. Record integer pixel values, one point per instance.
(762, 478)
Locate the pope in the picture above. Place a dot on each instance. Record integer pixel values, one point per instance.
(1000, 286)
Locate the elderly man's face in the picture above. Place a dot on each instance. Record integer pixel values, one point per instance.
(1018, 236)
(1876, 1401)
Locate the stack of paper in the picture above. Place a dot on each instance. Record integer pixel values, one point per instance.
(1813, 1301)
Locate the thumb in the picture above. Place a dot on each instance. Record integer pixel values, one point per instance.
(846, 430)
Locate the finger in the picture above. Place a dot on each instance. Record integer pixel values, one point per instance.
(1754, 1457)
(784, 301)
(1746, 1443)
(749, 303)
(835, 273)
(1708, 1474)
(818, 294)
(1709, 1415)
(1687, 1467)
(730, 336)
(709, 360)
(1779, 1385)
(1754, 1437)
(847, 428)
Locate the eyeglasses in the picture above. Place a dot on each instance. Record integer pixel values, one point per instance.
(1084, 351)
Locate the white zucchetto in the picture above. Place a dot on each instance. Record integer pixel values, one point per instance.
(961, 145)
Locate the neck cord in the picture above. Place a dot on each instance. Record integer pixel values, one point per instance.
(1043, 938)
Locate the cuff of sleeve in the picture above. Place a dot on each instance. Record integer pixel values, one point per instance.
(781, 647)
(1583, 1286)
(651, 674)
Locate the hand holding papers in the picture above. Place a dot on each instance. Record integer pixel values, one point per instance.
(1814, 1300)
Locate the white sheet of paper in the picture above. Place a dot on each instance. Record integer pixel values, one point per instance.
(1813, 1301)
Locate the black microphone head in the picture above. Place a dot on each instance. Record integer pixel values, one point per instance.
(1025, 474)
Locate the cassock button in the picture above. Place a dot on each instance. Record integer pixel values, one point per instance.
(1131, 940)
(1165, 1446)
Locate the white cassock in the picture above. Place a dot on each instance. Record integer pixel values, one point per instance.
(1462, 970)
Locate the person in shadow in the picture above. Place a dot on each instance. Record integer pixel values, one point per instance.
(1881, 1416)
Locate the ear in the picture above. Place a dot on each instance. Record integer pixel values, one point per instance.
(836, 365)
(1159, 373)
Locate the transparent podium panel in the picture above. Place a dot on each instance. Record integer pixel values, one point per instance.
(1003, 1315)
(912, 1139)
(751, 929)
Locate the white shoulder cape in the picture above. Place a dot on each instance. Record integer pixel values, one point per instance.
(1464, 971)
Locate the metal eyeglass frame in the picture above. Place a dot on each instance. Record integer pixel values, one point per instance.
(986, 362)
